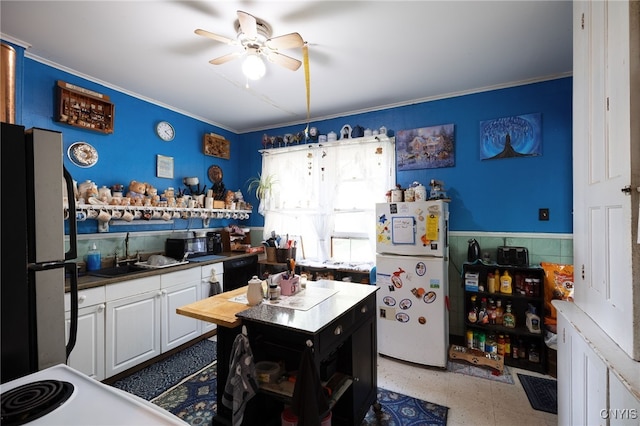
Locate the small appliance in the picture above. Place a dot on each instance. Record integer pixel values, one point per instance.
(473, 252)
(193, 246)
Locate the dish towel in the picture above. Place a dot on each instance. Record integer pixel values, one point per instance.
(309, 401)
(242, 381)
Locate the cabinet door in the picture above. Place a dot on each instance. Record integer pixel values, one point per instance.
(133, 331)
(178, 329)
(624, 407)
(582, 379)
(88, 353)
(213, 271)
(365, 380)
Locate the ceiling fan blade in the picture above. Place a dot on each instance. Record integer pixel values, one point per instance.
(287, 41)
(216, 37)
(284, 60)
(248, 24)
(226, 58)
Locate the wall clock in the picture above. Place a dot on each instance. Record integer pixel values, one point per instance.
(165, 131)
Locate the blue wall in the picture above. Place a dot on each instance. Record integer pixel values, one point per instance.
(493, 196)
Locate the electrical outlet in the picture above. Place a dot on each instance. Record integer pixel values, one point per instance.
(543, 214)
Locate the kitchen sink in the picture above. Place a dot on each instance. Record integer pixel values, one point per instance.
(116, 271)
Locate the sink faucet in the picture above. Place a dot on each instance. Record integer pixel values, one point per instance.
(127, 259)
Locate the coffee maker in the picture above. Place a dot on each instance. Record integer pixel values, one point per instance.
(214, 242)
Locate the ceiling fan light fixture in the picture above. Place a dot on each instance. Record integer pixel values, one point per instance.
(253, 67)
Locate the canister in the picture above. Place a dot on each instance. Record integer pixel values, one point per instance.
(396, 195)
(420, 192)
(409, 195)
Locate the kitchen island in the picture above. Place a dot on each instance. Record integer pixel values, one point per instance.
(336, 319)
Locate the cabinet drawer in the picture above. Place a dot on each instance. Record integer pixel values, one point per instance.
(335, 334)
(132, 287)
(179, 277)
(88, 297)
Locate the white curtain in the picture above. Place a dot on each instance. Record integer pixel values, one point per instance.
(328, 190)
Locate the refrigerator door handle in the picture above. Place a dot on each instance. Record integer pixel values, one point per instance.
(73, 224)
(72, 269)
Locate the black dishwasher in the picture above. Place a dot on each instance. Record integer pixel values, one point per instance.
(238, 272)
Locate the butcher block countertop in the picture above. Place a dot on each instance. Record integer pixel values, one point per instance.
(217, 309)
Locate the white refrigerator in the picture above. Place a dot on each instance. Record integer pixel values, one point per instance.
(412, 260)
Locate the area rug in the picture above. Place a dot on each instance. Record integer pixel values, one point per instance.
(403, 410)
(485, 373)
(194, 401)
(155, 379)
(542, 393)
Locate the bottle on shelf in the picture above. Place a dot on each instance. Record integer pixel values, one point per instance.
(491, 283)
(501, 345)
(491, 312)
(509, 319)
(491, 344)
(483, 316)
(522, 350)
(532, 320)
(470, 339)
(499, 312)
(472, 316)
(481, 341)
(507, 346)
(514, 350)
(534, 356)
(505, 283)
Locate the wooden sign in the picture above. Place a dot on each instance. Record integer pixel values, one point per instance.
(216, 146)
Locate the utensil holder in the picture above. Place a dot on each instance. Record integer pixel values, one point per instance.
(289, 286)
(282, 254)
(271, 254)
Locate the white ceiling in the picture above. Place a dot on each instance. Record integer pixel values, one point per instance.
(363, 55)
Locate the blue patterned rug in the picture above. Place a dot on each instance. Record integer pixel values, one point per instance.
(194, 401)
(155, 379)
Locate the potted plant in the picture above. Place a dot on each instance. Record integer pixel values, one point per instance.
(263, 186)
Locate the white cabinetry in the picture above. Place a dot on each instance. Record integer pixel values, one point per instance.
(209, 273)
(178, 289)
(595, 386)
(87, 355)
(132, 323)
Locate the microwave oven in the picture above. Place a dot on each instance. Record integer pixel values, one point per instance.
(193, 246)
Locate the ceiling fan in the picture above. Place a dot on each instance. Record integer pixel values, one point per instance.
(254, 36)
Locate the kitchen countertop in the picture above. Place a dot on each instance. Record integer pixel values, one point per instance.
(89, 281)
(220, 309)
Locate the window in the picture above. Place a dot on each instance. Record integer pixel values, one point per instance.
(327, 194)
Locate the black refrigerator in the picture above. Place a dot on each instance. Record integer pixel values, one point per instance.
(36, 199)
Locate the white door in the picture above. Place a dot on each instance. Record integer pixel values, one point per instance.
(133, 331)
(606, 85)
(178, 329)
(88, 354)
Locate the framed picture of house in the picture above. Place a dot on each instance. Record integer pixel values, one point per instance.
(426, 147)
(510, 137)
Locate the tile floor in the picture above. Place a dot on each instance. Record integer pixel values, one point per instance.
(471, 400)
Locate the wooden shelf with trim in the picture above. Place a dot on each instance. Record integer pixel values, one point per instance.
(338, 384)
(79, 107)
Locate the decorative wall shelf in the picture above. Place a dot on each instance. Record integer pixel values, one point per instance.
(84, 108)
(123, 215)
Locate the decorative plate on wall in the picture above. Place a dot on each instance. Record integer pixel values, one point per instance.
(82, 154)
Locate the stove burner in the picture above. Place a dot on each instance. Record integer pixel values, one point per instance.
(33, 400)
